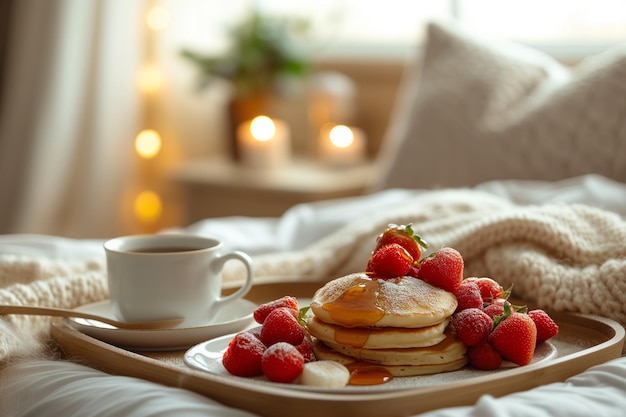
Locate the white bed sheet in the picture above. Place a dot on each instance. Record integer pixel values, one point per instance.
(304, 224)
(46, 388)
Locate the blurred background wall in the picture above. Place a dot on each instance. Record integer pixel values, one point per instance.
(104, 102)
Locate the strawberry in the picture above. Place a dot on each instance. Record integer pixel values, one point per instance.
(495, 309)
(390, 261)
(255, 331)
(489, 289)
(282, 362)
(281, 326)
(472, 326)
(263, 310)
(514, 337)
(499, 305)
(443, 269)
(306, 349)
(413, 271)
(483, 356)
(243, 355)
(468, 296)
(546, 327)
(404, 236)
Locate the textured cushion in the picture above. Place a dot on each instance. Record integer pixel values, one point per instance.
(475, 110)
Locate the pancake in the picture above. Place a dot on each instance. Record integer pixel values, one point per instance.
(357, 300)
(377, 337)
(450, 349)
(323, 352)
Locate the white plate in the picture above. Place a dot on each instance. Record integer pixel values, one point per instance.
(207, 356)
(232, 318)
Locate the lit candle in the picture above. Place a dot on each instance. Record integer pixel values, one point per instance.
(342, 145)
(263, 142)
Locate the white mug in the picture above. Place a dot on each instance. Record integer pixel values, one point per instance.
(153, 277)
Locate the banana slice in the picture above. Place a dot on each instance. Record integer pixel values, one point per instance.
(327, 374)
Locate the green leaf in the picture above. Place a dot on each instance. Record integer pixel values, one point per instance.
(520, 309)
(302, 315)
(409, 230)
(498, 319)
(517, 308)
(507, 292)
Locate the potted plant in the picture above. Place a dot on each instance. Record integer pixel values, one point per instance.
(263, 56)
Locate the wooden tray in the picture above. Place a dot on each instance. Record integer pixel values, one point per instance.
(583, 341)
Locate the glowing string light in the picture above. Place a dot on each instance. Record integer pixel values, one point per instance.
(148, 143)
(150, 79)
(148, 206)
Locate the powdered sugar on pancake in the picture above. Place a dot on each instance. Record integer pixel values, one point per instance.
(395, 302)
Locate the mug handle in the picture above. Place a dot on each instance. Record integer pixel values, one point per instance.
(218, 264)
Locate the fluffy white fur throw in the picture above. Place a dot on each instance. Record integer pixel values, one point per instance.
(566, 257)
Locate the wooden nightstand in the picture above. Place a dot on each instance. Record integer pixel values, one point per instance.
(219, 188)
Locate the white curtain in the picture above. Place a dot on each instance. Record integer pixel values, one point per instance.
(70, 113)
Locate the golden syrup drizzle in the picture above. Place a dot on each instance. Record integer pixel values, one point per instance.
(363, 373)
(355, 337)
(357, 306)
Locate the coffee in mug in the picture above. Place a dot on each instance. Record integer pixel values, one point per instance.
(162, 276)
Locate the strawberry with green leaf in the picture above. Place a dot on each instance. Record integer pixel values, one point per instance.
(404, 236)
(490, 289)
(496, 308)
(389, 261)
(514, 336)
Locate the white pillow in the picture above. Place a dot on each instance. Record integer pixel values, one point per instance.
(475, 110)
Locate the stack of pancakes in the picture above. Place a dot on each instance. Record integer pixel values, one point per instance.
(400, 324)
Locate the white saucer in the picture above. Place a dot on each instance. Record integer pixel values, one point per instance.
(233, 317)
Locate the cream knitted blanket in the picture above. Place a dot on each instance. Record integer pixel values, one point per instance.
(566, 257)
